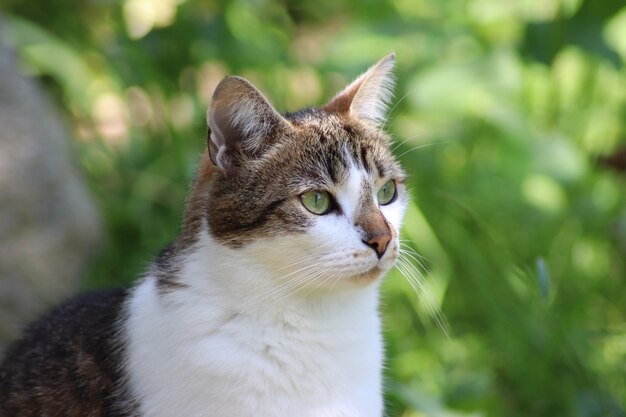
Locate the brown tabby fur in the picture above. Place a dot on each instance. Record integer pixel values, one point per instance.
(262, 200)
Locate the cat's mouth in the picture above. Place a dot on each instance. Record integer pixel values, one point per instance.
(377, 270)
(367, 276)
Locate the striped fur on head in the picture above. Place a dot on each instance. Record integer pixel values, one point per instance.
(259, 161)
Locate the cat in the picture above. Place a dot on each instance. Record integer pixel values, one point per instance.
(267, 302)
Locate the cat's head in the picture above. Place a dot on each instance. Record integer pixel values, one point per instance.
(313, 195)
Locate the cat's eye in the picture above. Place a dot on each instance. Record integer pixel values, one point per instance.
(317, 202)
(387, 193)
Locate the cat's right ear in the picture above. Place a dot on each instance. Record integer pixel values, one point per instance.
(242, 124)
(369, 95)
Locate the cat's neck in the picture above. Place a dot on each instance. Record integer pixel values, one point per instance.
(194, 217)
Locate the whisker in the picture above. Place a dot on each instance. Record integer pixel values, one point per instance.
(335, 280)
(394, 107)
(400, 144)
(425, 145)
(314, 256)
(408, 139)
(415, 279)
(414, 256)
(304, 274)
(406, 243)
(283, 288)
(312, 283)
(320, 284)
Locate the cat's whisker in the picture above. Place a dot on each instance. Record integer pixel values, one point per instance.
(335, 280)
(408, 245)
(290, 279)
(415, 255)
(400, 144)
(273, 292)
(412, 279)
(320, 283)
(414, 276)
(292, 285)
(405, 247)
(410, 138)
(394, 107)
(313, 282)
(312, 257)
(425, 145)
(408, 250)
(420, 260)
(305, 275)
(290, 274)
(415, 279)
(316, 280)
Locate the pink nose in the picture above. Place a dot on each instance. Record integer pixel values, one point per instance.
(379, 242)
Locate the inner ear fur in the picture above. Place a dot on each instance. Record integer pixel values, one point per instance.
(242, 124)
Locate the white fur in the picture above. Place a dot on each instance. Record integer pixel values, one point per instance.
(275, 328)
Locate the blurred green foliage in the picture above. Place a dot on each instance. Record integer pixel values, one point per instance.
(510, 118)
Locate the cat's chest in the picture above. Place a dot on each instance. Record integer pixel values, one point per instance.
(231, 364)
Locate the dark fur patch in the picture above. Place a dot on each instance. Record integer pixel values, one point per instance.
(364, 159)
(69, 363)
(166, 267)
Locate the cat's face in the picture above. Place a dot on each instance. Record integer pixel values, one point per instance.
(315, 196)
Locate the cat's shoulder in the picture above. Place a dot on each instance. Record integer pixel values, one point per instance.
(74, 349)
(87, 315)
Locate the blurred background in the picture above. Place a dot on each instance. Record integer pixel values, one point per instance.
(510, 118)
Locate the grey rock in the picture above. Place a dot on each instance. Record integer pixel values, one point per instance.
(48, 223)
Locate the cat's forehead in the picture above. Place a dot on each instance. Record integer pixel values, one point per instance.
(325, 146)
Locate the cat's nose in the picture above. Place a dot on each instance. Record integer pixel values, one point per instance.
(379, 242)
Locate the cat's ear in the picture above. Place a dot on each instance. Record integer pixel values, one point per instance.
(369, 95)
(242, 124)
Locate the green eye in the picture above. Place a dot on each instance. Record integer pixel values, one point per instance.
(387, 193)
(317, 202)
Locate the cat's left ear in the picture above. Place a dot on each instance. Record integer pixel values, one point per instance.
(369, 95)
(242, 124)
